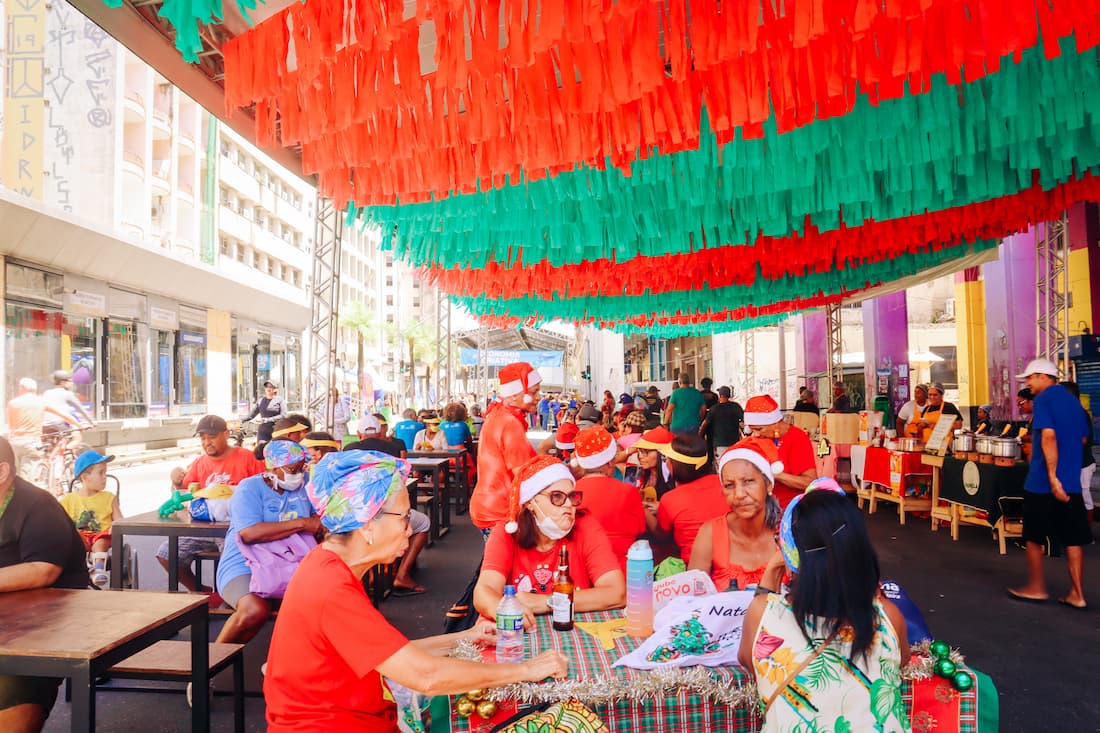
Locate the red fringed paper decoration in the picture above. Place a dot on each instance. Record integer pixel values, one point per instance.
(595, 82)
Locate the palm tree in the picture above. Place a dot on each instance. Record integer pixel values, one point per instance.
(357, 316)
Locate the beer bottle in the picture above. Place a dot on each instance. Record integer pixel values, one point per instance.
(563, 594)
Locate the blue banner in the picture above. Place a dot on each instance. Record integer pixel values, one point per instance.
(498, 358)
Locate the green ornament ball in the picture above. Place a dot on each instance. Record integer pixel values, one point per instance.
(944, 668)
(962, 681)
(940, 649)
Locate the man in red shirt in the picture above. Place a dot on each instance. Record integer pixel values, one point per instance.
(502, 445)
(617, 505)
(220, 465)
(764, 418)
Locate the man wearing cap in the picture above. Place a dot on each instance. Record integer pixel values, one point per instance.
(373, 437)
(686, 407)
(796, 452)
(503, 444)
(220, 465)
(588, 415)
(617, 505)
(911, 409)
(41, 549)
(652, 405)
(1053, 505)
(722, 426)
(268, 409)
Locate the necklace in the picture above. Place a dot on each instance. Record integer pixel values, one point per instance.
(7, 500)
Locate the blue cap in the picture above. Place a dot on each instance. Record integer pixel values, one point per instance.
(87, 459)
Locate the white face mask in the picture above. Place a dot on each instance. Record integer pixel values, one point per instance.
(548, 526)
(292, 481)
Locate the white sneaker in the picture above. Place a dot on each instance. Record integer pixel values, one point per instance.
(100, 578)
(210, 694)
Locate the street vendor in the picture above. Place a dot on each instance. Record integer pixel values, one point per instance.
(323, 672)
(930, 414)
(524, 551)
(985, 424)
(764, 418)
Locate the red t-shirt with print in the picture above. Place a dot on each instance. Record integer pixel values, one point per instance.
(590, 558)
(618, 506)
(229, 470)
(796, 450)
(683, 510)
(325, 649)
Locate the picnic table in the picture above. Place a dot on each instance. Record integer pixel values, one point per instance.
(437, 469)
(80, 634)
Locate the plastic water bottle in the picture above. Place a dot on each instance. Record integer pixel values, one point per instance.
(509, 627)
(639, 589)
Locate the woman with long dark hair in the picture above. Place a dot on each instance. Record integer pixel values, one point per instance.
(831, 649)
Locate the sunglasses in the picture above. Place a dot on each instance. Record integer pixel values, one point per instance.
(557, 498)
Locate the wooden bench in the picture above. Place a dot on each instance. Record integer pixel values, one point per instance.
(171, 661)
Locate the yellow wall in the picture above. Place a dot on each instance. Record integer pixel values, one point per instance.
(1080, 287)
(22, 145)
(973, 359)
(219, 363)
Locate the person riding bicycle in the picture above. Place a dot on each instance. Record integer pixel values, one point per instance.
(268, 408)
(26, 413)
(60, 401)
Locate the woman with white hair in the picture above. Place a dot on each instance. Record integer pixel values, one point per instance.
(734, 548)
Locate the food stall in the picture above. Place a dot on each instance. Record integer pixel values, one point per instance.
(982, 494)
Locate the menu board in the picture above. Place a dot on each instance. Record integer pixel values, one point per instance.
(941, 436)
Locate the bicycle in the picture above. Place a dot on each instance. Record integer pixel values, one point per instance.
(53, 469)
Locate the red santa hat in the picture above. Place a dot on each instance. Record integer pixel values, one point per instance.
(761, 453)
(654, 439)
(518, 378)
(566, 435)
(533, 477)
(594, 447)
(762, 410)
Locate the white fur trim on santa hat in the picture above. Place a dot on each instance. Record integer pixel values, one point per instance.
(753, 419)
(511, 389)
(533, 378)
(530, 488)
(607, 455)
(748, 454)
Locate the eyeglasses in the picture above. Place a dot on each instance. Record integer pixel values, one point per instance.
(557, 498)
(407, 516)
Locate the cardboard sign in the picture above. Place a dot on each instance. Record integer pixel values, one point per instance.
(941, 435)
(694, 631)
(688, 583)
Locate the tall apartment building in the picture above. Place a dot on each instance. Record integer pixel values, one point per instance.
(146, 247)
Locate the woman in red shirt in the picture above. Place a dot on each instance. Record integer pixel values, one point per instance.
(734, 548)
(323, 672)
(524, 552)
(696, 498)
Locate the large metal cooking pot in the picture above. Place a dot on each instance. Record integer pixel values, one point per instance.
(1006, 448)
(910, 445)
(984, 444)
(963, 442)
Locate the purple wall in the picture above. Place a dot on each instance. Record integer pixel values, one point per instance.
(814, 344)
(1010, 319)
(886, 345)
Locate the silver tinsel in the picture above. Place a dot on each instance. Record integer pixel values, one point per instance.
(660, 683)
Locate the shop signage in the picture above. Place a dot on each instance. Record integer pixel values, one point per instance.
(190, 337)
(163, 319)
(972, 478)
(494, 357)
(278, 341)
(81, 302)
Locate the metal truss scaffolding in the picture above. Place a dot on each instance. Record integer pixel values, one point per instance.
(1051, 293)
(444, 364)
(749, 341)
(834, 364)
(324, 305)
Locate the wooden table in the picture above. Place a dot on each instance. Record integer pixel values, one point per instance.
(80, 634)
(461, 458)
(173, 527)
(881, 482)
(437, 468)
(970, 487)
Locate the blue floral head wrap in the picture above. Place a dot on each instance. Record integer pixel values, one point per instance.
(282, 453)
(786, 534)
(348, 488)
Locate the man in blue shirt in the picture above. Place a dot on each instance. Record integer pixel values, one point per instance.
(1053, 506)
(406, 430)
(544, 413)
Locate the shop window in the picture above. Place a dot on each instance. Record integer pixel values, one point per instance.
(160, 399)
(191, 372)
(126, 368)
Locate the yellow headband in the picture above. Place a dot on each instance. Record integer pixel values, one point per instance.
(287, 431)
(310, 443)
(669, 452)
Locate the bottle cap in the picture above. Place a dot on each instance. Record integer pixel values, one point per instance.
(509, 590)
(640, 550)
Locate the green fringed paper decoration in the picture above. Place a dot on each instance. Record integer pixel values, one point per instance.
(185, 16)
(662, 331)
(609, 309)
(950, 147)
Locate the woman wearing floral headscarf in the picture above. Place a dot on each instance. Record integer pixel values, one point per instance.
(331, 647)
(268, 507)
